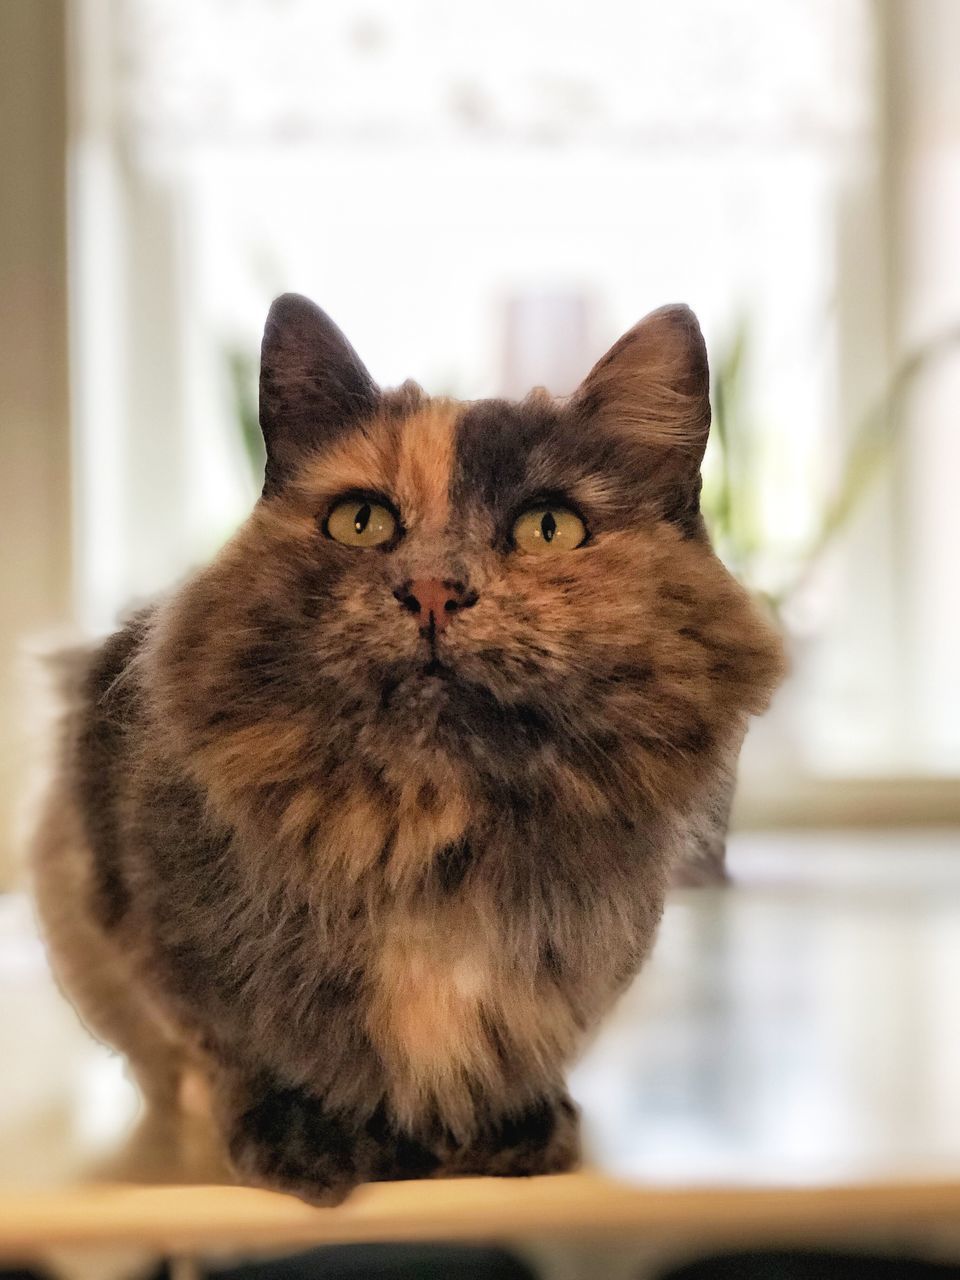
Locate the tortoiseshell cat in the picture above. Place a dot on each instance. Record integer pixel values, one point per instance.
(372, 820)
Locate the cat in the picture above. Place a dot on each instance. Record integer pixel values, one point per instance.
(364, 828)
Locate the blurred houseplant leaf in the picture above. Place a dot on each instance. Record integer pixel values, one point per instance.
(733, 489)
(243, 373)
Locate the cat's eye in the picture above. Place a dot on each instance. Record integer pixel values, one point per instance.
(545, 530)
(361, 522)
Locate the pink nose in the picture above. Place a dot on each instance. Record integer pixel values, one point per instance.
(435, 600)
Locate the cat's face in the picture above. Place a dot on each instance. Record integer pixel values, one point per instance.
(514, 595)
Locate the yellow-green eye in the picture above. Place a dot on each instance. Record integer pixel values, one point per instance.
(358, 523)
(544, 531)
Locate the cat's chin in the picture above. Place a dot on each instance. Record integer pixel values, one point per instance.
(423, 684)
(427, 671)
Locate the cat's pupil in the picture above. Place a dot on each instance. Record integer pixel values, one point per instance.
(548, 527)
(362, 518)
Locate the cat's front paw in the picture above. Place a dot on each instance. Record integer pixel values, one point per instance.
(542, 1138)
(286, 1140)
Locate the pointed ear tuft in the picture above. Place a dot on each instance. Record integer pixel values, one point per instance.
(312, 384)
(652, 389)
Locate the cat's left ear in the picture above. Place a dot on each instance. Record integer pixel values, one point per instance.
(312, 384)
(652, 390)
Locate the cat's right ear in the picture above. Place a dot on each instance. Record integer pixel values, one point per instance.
(312, 384)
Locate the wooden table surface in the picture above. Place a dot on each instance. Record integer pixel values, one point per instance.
(174, 1220)
(787, 1068)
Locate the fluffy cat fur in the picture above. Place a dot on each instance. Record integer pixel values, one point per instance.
(371, 882)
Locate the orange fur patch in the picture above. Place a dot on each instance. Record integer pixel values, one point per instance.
(425, 828)
(426, 1015)
(410, 461)
(425, 466)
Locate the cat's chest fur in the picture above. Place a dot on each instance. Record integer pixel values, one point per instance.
(448, 999)
(448, 1005)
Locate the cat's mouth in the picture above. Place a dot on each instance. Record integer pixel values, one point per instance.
(429, 664)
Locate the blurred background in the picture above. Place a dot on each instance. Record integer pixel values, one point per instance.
(484, 197)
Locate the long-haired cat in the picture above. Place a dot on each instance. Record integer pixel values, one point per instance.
(369, 822)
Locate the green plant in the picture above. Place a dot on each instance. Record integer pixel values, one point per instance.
(242, 374)
(735, 479)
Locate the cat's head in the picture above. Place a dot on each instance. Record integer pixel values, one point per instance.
(479, 596)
